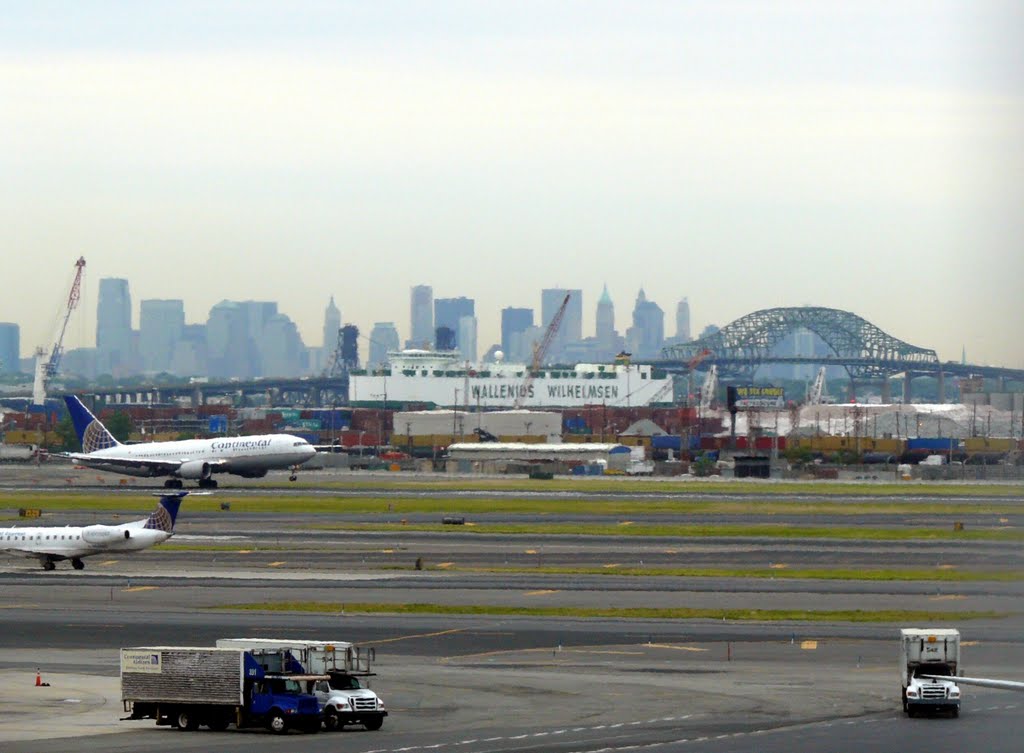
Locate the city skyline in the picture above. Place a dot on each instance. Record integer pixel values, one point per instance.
(746, 155)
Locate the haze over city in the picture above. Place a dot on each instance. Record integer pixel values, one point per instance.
(743, 155)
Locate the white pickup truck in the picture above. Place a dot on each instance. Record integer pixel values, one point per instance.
(929, 660)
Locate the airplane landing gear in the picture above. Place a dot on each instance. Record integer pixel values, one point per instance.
(172, 483)
(207, 483)
(77, 563)
(48, 564)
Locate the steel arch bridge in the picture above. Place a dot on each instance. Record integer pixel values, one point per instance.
(866, 352)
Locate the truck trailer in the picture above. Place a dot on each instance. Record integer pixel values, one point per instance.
(186, 687)
(343, 693)
(929, 661)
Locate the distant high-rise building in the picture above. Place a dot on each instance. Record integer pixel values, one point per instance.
(444, 338)
(114, 327)
(683, 321)
(647, 335)
(281, 348)
(571, 330)
(383, 340)
(513, 321)
(161, 324)
(10, 348)
(332, 324)
(234, 337)
(466, 338)
(448, 311)
(421, 316)
(189, 356)
(605, 318)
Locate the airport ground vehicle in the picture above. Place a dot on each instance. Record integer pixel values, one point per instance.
(929, 660)
(187, 687)
(342, 692)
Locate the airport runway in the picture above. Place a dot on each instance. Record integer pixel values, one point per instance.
(484, 684)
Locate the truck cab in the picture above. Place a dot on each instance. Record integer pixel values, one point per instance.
(282, 703)
(345, 699)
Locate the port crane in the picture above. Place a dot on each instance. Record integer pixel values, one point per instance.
(539, 351)
(817, 389)
(46, 368)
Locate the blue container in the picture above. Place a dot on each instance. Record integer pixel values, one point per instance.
(667, 442)
(933, 444)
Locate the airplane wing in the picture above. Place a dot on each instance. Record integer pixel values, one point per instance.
(135, 466)
(982, 682)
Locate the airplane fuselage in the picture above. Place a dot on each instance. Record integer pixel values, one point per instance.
(70, 542)
(243, 456)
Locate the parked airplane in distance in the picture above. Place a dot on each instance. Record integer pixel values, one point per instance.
(50, 544)
(197, 459)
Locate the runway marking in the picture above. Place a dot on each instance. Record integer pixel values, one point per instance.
(808, 645)
(243, 551)
(276, 564)
(387, 551)
(947, 567)
(970, 643)
(133, 589)
(108, 562)
(542, 592)
(947, 597)
(530, 551)
(670, 551)
(625, 522)
(778, 566)
(444, 565)
(676, 648)
(18, 606)
(417, 635)
(612, 565)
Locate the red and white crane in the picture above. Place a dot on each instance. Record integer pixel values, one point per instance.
(539, 351)
(46, 368)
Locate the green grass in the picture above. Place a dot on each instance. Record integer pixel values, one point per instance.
(723, 530)
(639, 613)
(501, 505)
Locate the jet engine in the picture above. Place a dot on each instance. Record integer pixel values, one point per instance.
(104, 534)
(195, 469)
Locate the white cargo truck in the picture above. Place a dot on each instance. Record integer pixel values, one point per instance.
(929, 661)
(342, 692)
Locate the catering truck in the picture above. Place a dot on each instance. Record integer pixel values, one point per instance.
(342, 692)
(187, 687)
(929, 660)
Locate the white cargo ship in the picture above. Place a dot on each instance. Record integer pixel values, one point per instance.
(441, 378)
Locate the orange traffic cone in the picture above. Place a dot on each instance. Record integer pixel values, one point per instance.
(39, 680)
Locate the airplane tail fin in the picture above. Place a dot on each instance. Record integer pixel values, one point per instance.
(166, 512)
(91, 433)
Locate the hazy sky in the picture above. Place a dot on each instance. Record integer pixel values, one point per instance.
(865, 156)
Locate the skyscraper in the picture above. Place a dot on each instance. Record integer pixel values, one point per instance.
(383, 339)
(448, 311)
(683, 321)
(513, 321)
(466, 338)
(281, 347)
(605, 318)
(10, 348)
(114, 327)
(332, 323)
(161, 324)
(647, 335)
(421, 316)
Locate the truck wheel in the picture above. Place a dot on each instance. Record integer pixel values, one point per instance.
(187, 720)
(218, 723)
(331, 720)
(911, 712)
(276, 723)
(954, 712)
(374, 724)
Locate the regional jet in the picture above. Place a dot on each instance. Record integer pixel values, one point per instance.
(50, 544)
(197, 459)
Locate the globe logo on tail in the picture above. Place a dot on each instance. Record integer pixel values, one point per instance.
(96, 437)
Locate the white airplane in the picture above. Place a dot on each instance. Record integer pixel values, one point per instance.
(50, 544)
(198, 459)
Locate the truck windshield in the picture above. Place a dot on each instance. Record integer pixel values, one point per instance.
(345, 682)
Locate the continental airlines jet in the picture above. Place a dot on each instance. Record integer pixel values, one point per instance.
(197, 459)
(51, 544)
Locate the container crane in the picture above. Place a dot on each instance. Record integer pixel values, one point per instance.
(540, 350)
(47, 369)
(817, 389)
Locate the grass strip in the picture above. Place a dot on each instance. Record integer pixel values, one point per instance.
(441, 504)
(723, 530)
(627, 613)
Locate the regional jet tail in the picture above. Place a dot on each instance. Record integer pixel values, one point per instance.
(51, 544)
(197, 459)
